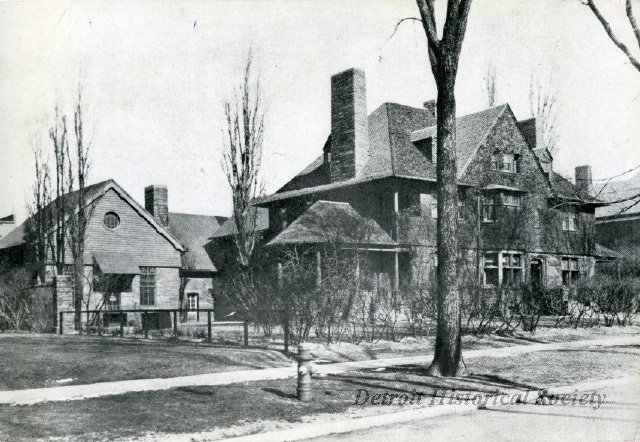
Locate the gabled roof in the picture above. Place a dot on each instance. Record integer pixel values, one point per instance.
(333, 222)
(229, 227)
(193, 231)
(623, 196)
(393, 129)
(92, 192)
(471, 131)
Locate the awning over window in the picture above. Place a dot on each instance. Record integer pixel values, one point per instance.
(116, 263)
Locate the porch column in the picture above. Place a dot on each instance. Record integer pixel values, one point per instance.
(396, 272)
(396, 214)
(318, 268)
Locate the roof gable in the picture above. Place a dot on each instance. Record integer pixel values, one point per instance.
(92, 194)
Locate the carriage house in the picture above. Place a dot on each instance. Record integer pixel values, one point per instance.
(136, 257)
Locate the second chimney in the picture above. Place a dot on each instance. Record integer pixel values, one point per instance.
(156, 203)
(584, 181)
(349, 128)
(533, 132)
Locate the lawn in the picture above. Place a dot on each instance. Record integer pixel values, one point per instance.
(271, 404)
(34, 361)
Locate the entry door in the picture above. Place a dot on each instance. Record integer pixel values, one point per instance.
(536, 272)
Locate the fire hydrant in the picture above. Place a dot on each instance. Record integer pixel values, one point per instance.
(305, 370)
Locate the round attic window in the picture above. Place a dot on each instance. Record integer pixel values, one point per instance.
(111, 220)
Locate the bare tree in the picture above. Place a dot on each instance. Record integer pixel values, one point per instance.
(612, 35)
(242, 156)
(444, 54)
(80, 214)
(39, 221)
(542, 105)
(59, 139)
(490, 84)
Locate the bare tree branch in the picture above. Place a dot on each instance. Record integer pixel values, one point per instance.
(612, 36)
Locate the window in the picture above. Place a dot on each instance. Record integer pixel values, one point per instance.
(112, 301)
(434, 210)
(111, 220)
(570, 273)
(506, 162)
(511, 200)
(193, 301)
(147, 285)
(491, 269)
(536, 219)
(511, 268)
(570, 222)
(462, 209)
(502, 268)
(488, 209)
(494, 161)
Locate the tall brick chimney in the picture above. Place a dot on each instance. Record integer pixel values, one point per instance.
(349, 129)
(157, 204)
(533, 132)
(584, 181)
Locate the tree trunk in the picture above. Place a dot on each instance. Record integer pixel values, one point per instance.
(447, 350)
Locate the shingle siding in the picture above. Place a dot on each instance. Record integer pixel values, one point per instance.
(135, 236)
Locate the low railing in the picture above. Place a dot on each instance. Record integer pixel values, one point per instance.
(98, 322)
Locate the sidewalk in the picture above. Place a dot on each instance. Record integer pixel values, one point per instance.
(78, 392)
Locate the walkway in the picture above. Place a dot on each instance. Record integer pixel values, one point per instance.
(78, 392)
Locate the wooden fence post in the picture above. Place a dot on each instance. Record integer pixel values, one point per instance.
(145, 324)
(209, 326)
(246, 332)
(121, 325)
(175, 324)
(98, 315)
(61, 317)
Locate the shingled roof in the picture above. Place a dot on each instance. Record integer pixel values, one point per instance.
(70, 200)
(393, 129)
(333, 222)
(193, 231)
(229, 227)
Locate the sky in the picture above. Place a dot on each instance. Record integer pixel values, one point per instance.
(155, 75)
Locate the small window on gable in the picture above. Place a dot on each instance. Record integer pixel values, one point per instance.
(505, 162)
(111, 220)
(426, 147)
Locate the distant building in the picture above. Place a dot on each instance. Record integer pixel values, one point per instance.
(135, 256)
(7, 224)
(618, 223)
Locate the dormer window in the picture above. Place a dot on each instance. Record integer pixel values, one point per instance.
(425, 146)
(505, 162)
